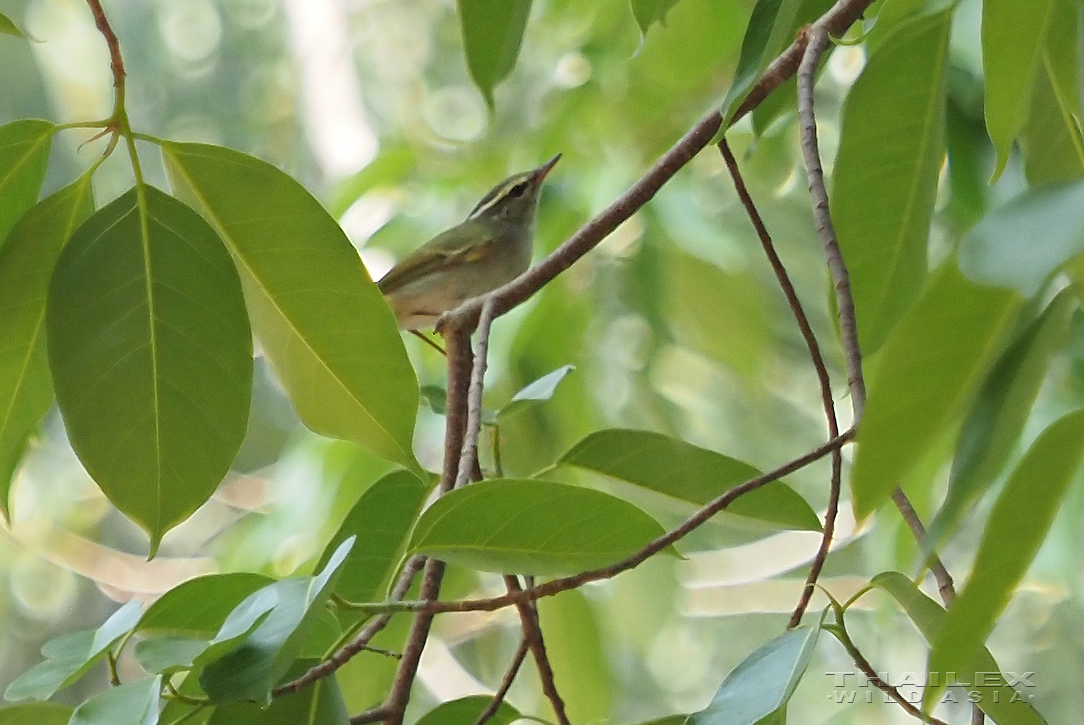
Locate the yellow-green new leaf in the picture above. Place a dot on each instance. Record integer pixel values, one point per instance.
(24, 154)
(151, 356)
(26, 265)
(330, 336)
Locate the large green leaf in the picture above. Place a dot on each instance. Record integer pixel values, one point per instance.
(381, 521)
(531, 527)
(892, 143)
(676, 468)
(1017, 526)
(323, 324)
(995, 696)
(151, 356)
(1051, 139)
(465, 711)
(758, 689)
(24, 154)
(260, 640)
(133, 703)
(999, 412)
(492, 34)
(69, 656)
(7, 27)
(26, 265)
(1012, 44)
(929, 368)
(1021, 243)
(318, 704)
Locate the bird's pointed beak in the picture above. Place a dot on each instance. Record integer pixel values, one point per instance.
(541, 171)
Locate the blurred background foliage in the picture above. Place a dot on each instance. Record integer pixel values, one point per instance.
(674, 324)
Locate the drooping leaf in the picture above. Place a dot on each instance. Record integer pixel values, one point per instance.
(1016, 527)
(380, 521)
(892, 143)
(649, 12)
(151, 356)
(164, 654)
(132, 703)
(996, 697)
(535, 392)
(256, 648)
(761, 685)
(35, 713)
(466, 710)
(69, 656)
(676, 468)
(26, 265)
(1012, 44)
(330, 336)
(319, 704)
(997, 416)
(930, 366)
(765, 35)
(492, 34)
(1022, 242)
(24, 154)
(531, 527)
(1051, 140)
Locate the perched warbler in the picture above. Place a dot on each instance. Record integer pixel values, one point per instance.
(490, 247)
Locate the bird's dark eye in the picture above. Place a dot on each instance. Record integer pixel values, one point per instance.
(518, 189)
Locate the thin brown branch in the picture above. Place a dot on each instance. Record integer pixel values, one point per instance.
(375, 715)
(506, 683)
(945, 585)
(838, 18)
(819, 366)
(468, 454)
(116, 62)
(407, 671)
(818, 39)
(556, 586)
(361, 641)
(874, 679)
(532, 634)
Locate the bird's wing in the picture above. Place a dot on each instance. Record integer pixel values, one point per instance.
(442, 251)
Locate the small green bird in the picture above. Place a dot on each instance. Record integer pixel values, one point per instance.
(491, 247)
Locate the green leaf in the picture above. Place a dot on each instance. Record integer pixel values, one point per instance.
(199, 606)
(319, 704)
(1019, 522)
(133, 703)
(330, 336)
(997, 416)
(531, 527)
(69, 656)
(928, 370)
(761, 685)
(535, 392)
(995, 697)
(466, 710)
(892, 143)
(1049, 217)
(675, 468)
(168, 653)
(26, 265)
(151, 356)
(262, 637)
(767, 33)
(8, 27)
(1012, 42)
(24, 154)
(492, 34)
(35, 713)
(649, 12)
(1051, 141)
(381, 521)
